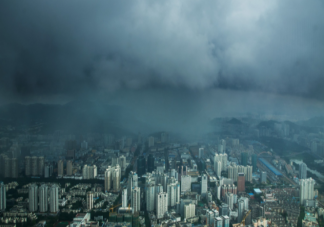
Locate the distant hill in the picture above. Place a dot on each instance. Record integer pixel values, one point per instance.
(234, 121)
(78, 116)
(313, 122)
(267, 124)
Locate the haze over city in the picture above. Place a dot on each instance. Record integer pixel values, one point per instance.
(213, 103)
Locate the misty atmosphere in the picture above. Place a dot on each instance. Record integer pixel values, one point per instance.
(161, 113)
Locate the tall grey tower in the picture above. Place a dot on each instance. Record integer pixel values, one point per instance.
(33, 198)
(302, 171)
(43, 198)
(54, 199)
(2, 196)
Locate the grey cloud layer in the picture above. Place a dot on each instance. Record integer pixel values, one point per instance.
(74, 47)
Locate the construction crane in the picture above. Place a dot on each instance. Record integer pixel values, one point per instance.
(111, 209)
(245, 216)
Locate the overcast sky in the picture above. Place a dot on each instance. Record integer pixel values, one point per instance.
(59, 50)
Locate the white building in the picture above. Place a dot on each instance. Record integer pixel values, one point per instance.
(161, 204)
(204, 181)
(124, 198)
(185, 183)
(54, 205)
(136, 199)
(173, 191)
(33, 198)
(43, 198)
(201, 152)
(306, 189)
(218, 168)
(189, 210)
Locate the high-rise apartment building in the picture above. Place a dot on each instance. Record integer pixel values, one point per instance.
(230, 199)
(241, 182)
(185, 183)
(122, 162)
(85, 172)
(27, 166)
(161, 204)
(3, 198)
(173, 191)
(33, 197)
(136, 199)
(54, 206)
(302, 171)
(218, 168)
(69, 168)
(201, 152)
(306, 189)
(189, 210)
(43, 198)
(204, 181)
(108, 178)
(60, 168)
(241, 208)
(116, 178)
(89, 200)
(263, 177)
(34, 166)
(150, 197)
(132, 182)
(124, 198)
(40, 166)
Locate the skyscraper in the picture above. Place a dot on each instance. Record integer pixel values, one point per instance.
(185, 183)
(69, 168)
(59, 168)
(122, 162)
(161, 204)
(124, 198)
(43, 198)
(244, 158)
(141, 165)
(85, 172)
(201, 152)
(33, 198)
(2, 196)
(302, 171)
(254, 162)
(204, 180)
(306, 189)
(54, 206)
(241, 182)
(89, 200)
(230, 199)
(241, 207)
(263, 177)
(40, 165)
(108, 178)
(132, 182)
(34, 166)
(116, 178)
(218, 168)
(150, 197)
(136, 199)
(189, 210)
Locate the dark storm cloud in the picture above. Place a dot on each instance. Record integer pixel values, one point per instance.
(81, 47)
